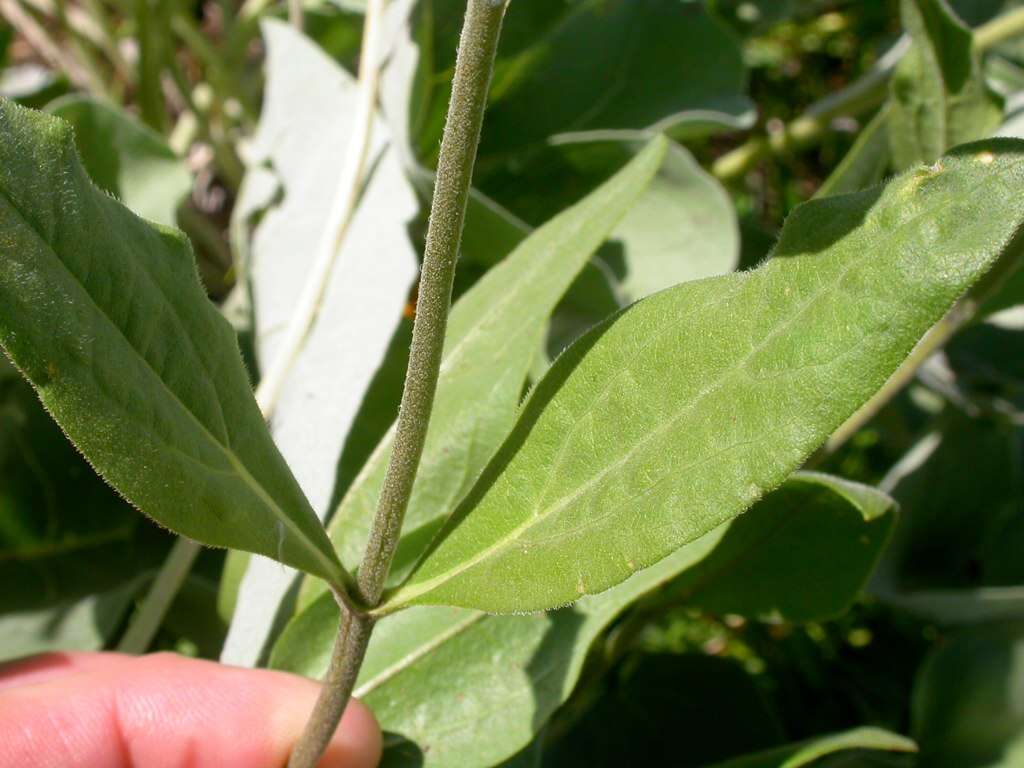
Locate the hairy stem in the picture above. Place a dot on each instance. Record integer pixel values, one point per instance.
(346, 658)
(861, 96)
(474, 64)
(475, 61)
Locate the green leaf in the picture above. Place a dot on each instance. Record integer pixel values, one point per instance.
(673, 65)
(966, 707)
(105, 316)
(86, 624)
(811, 751)
(680, 412)
(493, 333)
(63, 532)
(682, 228)
(505, 675)
(939, 97)
(126, 158)
(762, 565)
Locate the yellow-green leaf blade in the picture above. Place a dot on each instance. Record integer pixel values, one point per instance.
(680, 412)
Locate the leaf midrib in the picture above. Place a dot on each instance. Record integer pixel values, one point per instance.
(240, 470)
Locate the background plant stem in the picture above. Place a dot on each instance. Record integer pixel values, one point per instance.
(143, 628)
(37, 37)
(295, 14)
(474, 64)
(861, 96)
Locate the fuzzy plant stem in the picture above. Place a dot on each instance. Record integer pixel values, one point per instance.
(346, 658)
(473, 67)
(474, 64)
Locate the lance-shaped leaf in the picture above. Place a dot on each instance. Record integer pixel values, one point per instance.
(105, 316)
(493, 333)
(681, 411)
(820, 747)
(939, 97)
(682, 228)
(467, 688)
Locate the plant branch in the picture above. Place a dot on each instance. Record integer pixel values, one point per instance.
(861, 96)
(350, 646)
(90, 23)
(473, 67)
(80, 43)
(346, 199)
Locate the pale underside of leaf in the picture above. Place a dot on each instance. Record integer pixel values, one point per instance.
(308, 113)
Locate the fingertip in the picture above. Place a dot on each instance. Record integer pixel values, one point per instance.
(167, 710)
